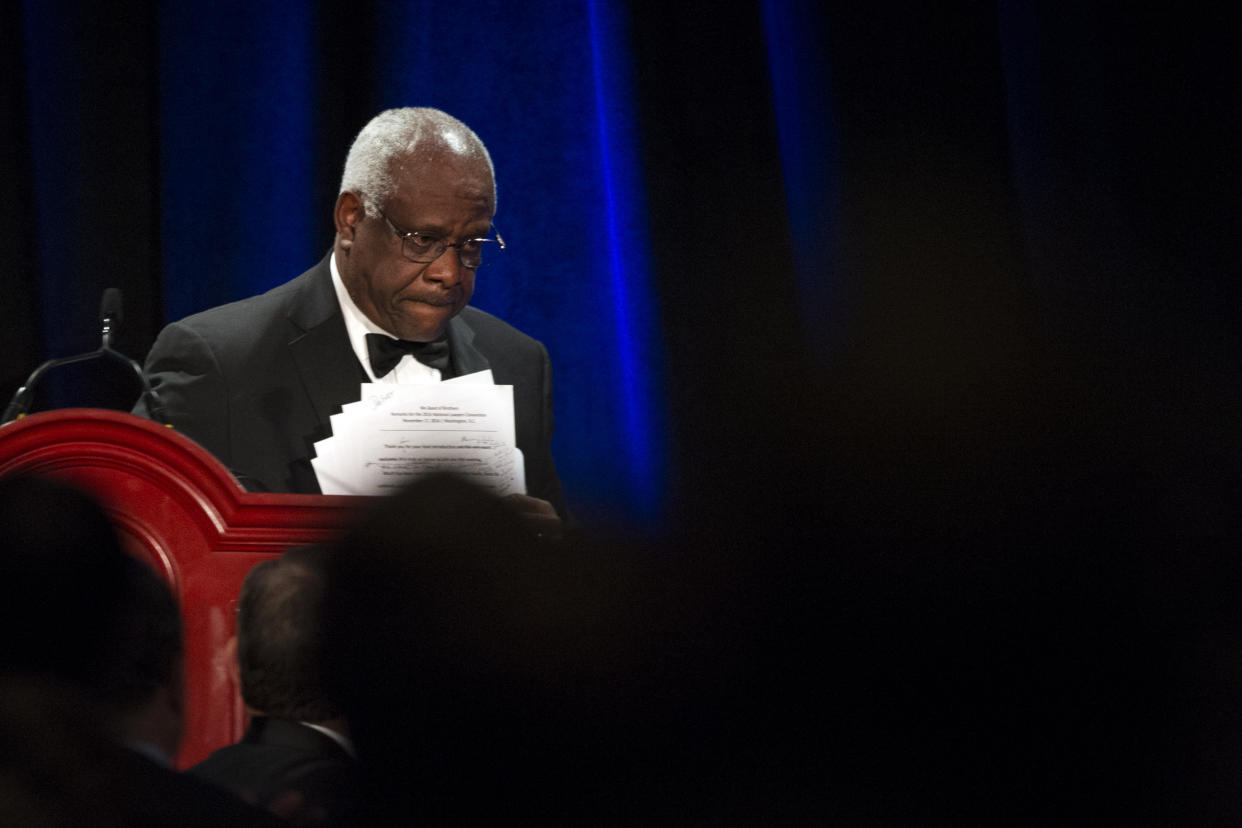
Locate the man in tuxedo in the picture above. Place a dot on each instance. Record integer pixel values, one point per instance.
(255, 382)
(297, 749)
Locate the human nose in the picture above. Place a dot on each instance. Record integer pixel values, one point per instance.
(446, 268)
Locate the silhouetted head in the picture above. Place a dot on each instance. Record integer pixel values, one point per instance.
(62, 573)
(278, 637)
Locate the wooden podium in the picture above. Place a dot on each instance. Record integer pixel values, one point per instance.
(177, 508)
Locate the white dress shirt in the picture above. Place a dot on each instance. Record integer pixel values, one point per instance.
(358, 325)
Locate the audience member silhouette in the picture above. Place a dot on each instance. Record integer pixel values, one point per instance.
(484, 673)
(297, 743)
(63, 574)
(142, 689)
(90, 675)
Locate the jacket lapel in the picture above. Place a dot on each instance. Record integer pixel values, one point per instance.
(466, 360)
(326, 364)
(264, 730)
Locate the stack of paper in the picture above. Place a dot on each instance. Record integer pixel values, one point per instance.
(398, 433)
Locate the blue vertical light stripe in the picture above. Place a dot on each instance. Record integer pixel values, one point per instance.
(626, 265)
(794, 34)
(546, 87)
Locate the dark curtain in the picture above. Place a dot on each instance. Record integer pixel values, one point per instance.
(80, 152)
(930, 238)
(951, 306)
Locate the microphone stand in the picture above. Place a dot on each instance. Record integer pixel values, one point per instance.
(20, 403)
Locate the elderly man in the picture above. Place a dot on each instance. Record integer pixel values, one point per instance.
(256, 381)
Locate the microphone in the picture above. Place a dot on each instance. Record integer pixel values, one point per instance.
(110, 316)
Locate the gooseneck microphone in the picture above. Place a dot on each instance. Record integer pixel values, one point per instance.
(110, 316)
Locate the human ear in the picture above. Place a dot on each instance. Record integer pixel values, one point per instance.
(231, 666)
(348, 214)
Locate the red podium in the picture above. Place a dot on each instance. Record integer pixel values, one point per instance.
(176, 507)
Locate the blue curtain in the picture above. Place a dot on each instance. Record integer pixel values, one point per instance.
(253, 106)
(900, 211)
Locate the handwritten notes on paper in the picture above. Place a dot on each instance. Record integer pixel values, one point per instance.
(398, 433)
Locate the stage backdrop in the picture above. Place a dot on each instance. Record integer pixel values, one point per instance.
(191, 154)
(721, 217)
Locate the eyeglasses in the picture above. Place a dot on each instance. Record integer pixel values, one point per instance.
(424, 247)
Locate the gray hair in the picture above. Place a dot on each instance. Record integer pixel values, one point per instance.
(398, 132)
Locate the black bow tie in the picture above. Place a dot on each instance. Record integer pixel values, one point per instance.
(386, 352)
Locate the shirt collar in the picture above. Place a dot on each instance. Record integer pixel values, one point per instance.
(153, 752)
(358, 325)
(341, 739)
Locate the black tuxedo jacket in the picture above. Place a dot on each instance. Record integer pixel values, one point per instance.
(160, 796)
(255, 381)
(277, 756)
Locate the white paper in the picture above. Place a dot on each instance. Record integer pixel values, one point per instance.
(397, 433)
(497, 469)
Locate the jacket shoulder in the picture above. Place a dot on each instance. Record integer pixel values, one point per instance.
(241, 325)
(274, 303)
(491, 330)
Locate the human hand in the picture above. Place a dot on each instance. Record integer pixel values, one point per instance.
(538, 514)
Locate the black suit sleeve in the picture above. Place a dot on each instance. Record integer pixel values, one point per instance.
(185, 374)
